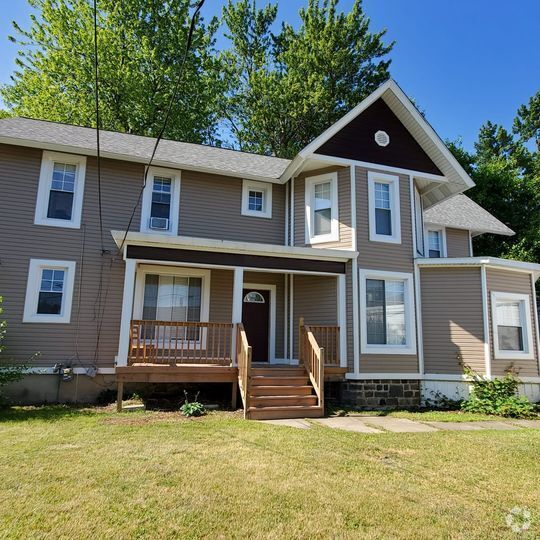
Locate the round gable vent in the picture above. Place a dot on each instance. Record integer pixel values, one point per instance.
(382, 138)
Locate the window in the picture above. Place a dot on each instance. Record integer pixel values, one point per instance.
(387, 309)
(49, 291)
(419, 222)
(256, 199)
(384, 213)
(60, 190)
(161, 201)
(322, 223)
(512, 328)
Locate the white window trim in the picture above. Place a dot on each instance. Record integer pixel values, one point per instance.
(333, 235)
(410, 347)
(32, 291)
(180, 271)
(525, 311)
(393, 181)
(175, 201)
(44, 189)
(266, 188)
(442, 230)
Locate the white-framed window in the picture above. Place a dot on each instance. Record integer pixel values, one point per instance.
(419, 222)
(387, 312)
(161, 201)
(322, 223)
(60, 190)
(384, 208)
(436, 242)
(512, 326)
(49, 291)
(256, 199)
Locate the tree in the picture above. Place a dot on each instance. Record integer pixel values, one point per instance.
(141, 43)
(284, 89)
(527, 121)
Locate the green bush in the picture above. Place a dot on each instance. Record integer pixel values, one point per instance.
(498, 396)
(192, 408)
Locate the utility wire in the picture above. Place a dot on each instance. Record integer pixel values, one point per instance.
(98, 126)
(167, 115)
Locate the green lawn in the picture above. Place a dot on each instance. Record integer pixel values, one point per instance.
(67, 473)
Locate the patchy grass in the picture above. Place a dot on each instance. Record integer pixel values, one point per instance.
(423, 415)
(84, 473)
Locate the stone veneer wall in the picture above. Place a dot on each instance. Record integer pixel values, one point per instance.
(384, 393)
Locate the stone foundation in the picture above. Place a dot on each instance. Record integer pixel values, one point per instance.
(381, 394)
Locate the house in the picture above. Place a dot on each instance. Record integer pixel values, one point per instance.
(350, 263)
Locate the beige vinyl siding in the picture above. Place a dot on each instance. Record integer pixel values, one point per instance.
(210, 207)
(221, 290)
(388, 363)
(349, 314)
(271, 278)
(452, 319)
(457, 243)
(382, 255)
(344, 208)
(315, 299)
(21, 240)
(511, 282)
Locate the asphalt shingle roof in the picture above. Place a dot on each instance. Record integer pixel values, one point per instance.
(462, 213)
(174, 153)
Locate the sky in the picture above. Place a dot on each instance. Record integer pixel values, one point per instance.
(463, 61)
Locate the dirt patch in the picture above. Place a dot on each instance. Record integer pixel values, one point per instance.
(151, 417)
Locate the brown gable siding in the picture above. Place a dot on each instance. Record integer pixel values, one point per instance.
(344, 208)
(452, 319)
(356, 141)
(511, 282)
(457, 243)
(210, 207)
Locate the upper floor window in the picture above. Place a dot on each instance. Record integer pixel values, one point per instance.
(384, 211)
(436, 243)
(512, 327)
(49, 291)
(60, 190)
(256, 199)
(161, 201)
(387, 310)
(322, 223)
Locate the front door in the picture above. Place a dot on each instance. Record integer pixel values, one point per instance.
(256, 321)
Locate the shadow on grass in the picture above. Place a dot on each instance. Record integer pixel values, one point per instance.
(49, 413)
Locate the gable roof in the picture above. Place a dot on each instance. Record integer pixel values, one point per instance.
(460, 212)
(455, 180)
(124, 146)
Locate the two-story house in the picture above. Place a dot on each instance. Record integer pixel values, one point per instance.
(352, 262)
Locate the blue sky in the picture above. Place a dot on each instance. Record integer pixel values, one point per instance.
(463, 61)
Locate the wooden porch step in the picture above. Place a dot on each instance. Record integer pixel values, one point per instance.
(274, 413)
(261, 390)
(278, 371)
(282, 401)
(260, 380)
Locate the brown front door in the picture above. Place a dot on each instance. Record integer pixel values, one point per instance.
(256, 321)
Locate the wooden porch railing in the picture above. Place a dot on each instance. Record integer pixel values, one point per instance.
(328, 338)
(243, 360)
(312, 357)
(170, 342)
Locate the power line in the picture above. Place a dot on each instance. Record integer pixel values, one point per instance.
(167, 115)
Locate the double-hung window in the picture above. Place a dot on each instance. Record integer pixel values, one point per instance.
(322, 223)
(387, 312)
(256, 199)
(512, 326)
(435, 243)
(161, 201)
(384, 211)
(49, 291)
(60, 190)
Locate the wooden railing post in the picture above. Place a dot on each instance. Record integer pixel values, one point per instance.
(300, 338)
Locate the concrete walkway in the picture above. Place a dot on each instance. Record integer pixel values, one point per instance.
(381, 424)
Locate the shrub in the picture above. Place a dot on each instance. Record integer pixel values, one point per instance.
(192, 408)
(497, 396)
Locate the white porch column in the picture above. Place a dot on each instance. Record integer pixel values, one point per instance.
(342, 320)
(238, 286)
(127, 310)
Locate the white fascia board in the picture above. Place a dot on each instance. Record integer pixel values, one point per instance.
(482, 261)
(229, 246)
(134, 159)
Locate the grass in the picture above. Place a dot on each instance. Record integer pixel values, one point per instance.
(68, 473)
